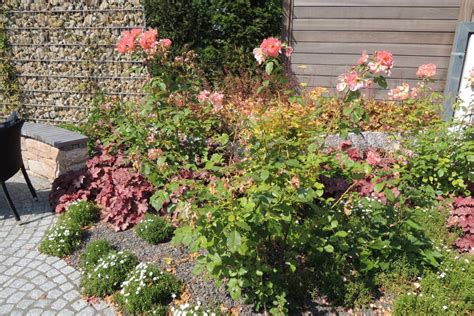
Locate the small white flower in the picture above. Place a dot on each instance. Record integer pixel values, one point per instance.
(445, 307)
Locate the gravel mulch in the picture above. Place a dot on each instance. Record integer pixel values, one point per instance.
(175, 259)
(180, 261)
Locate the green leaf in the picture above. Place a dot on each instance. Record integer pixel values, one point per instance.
(414, 225)
(379, 187)
(234, 288)
(264, 175)
(269, 68)
(158, 199)
(329, 248)
(234, 241)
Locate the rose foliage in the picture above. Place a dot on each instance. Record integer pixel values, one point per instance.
(247, 176)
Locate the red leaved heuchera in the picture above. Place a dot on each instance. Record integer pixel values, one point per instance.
(462, 216)
(120, 192)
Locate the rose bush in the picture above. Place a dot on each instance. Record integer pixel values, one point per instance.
(247, 176)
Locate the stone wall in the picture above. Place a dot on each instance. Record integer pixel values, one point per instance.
(64, 54)
(43, 160)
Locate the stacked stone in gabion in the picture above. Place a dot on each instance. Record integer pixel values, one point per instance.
(64, 54)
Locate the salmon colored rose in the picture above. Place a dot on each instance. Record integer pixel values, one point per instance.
(148, 39)
(271, 47)
(383, 62)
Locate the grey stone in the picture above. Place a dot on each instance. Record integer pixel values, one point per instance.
(5, 309)
(24, 303)
(59, 304)
(15, 297)
(79, 305)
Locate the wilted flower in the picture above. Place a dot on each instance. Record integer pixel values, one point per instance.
(259, 56)
(400, 93)
(363, 59)
(426, 71)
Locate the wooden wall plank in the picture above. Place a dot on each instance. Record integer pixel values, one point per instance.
(356, 48)
(374, 25)
(373, 37)
(334, 71)
(383, 3)
(343, 59)
(330, 82)
(329, 35)
(376, 13)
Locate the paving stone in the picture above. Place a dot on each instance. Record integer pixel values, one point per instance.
(5, 309)
(59, 304)
(79, 305)
(54, 294)
(34, 312)
(66, 287)
(6, 292)
(48, 285)
(36, 294)
(15, 297)
(24, 303)
(32, 283)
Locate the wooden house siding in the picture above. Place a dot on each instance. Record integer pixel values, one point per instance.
(328, 36)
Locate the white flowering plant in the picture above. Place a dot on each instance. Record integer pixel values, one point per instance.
(146, 289)
(93, 253)
(82, 212)
(109, 273)
(61, 239)
(154, 229)
(188, 309)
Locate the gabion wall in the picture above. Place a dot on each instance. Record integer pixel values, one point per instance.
(64, 54)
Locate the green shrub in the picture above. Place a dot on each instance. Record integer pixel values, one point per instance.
(442, 162)
(447, 291)
(93, 252)
(82, 213)
(61, 239)
(109, 273)
(223, 33)
(147, 288)
(154, 229)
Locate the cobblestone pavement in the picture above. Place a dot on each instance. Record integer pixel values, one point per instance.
(32, 283)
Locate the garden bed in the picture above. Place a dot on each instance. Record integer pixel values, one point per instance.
(299, 220)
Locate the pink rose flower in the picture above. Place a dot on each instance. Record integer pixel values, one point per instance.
(121, 47)
(373, 157)
(288, 51)
(414, 93)
(271, 47)
(148, 39)
(216, 98)
(363, 59)
(203, 96)
(165, 42)
(426, 71)
(400, 93)
(126, 43)
(383, 61)
(259, 56)
(350, 80)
